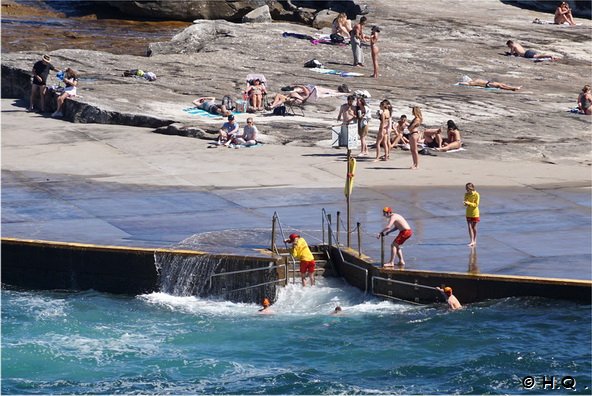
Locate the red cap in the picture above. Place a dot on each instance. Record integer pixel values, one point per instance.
(292, 237)
(386, 209)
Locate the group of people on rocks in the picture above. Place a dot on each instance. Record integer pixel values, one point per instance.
(391, 134)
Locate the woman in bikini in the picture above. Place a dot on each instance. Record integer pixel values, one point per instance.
(453, 141)
(374, 49)
(563, 15)
(298, 95)
(585, 100)
(414, 135)
(382, 137)
(255, 94)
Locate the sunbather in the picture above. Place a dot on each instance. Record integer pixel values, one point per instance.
(208, 103)
(255, 94)
(453, 141)
(518, 50)
(585, 100)
(340, 28)
(563, 15)
(487, 84)
(299, 95)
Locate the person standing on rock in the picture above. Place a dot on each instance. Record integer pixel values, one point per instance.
(363, 115)
(38, 87)
(357, 37)
(414, 135)
(374, 49)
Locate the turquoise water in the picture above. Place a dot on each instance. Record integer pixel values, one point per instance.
(95, 343)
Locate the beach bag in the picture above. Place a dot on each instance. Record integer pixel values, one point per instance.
(335, 38)
(343, 88)
(280, 110)
(228, 102)
(150, 76)
(313, 63)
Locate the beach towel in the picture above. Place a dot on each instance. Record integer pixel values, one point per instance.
(549, 22)
(239, 146)
(298, 36)
(336, 72)
(203, 113)
(451, 151)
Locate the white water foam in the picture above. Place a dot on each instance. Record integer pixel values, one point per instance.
(292, 299)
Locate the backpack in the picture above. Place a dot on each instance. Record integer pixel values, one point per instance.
(313, 63)
(228, 102)
(280, 110)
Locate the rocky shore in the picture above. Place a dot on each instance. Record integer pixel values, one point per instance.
(424, 49)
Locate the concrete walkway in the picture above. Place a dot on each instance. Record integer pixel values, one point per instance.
(116, 185)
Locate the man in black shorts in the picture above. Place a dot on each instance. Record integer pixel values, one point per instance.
(38, 87)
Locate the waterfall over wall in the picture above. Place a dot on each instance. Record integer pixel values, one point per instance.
(182, 275)
(238, 279)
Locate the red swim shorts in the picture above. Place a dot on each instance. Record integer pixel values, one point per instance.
(473, 219)
(403, 236)
(307, 266)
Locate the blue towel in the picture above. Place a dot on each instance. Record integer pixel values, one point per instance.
(203, 113)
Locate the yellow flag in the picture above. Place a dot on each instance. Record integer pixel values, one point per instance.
(349, 180)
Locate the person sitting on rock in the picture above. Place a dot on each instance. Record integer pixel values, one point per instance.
(228, 132)
(453, 141)
(563, 15)
(340, 28)
(71, 81)
(208, 103)
(585, 100)
(249, 135)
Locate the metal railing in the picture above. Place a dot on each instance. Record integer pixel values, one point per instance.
(415, 285)
(326, 218)
(276, 220)
(268, 268)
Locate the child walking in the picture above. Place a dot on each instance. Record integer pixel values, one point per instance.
(471, 202)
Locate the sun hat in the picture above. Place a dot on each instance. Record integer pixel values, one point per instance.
(46, 58)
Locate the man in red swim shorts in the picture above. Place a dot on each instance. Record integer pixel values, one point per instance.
(395, 222)
(301, 251)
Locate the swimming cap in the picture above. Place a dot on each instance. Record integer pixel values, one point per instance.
(386, 209)
(448, 290)
(265, 302)
(292, 237)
